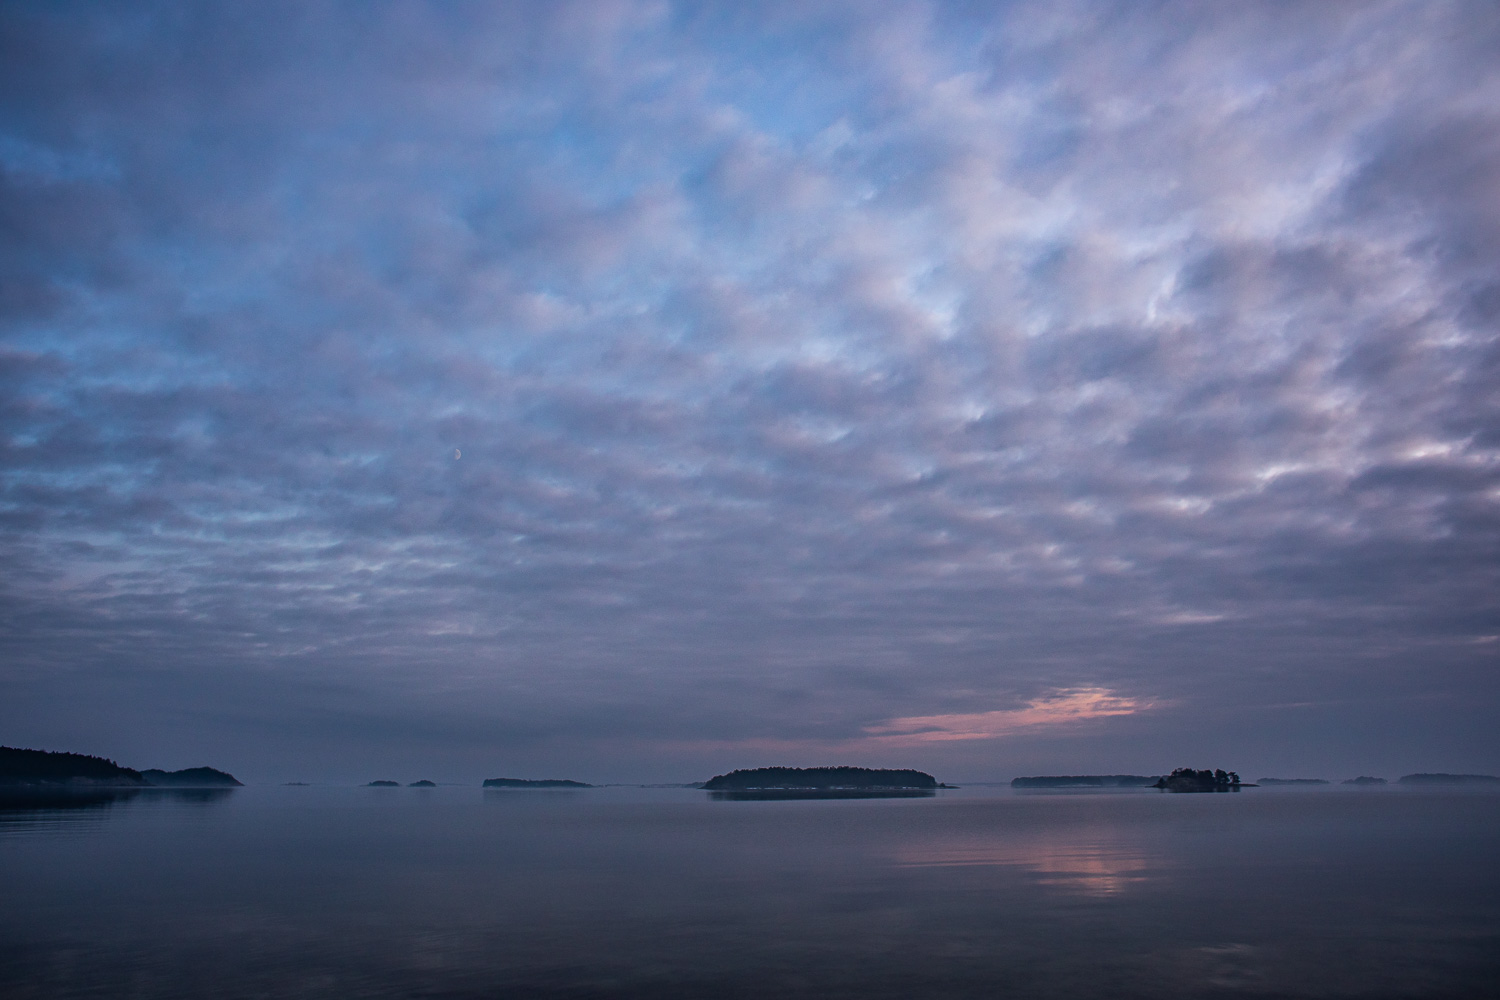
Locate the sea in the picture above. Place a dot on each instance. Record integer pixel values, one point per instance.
(980, 891)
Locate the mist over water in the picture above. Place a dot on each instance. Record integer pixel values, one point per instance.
(624, 892)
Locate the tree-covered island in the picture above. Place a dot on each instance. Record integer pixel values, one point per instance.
(1185, 779)
(821, 779)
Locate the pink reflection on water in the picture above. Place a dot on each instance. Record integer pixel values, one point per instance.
(1087, 860)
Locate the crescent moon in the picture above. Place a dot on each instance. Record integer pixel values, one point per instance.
(457, 454)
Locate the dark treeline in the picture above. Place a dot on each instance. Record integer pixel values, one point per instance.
(47, 767)
(19, 766)
(1186, 779)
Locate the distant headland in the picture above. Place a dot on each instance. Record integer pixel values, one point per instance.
(53, 769)
(534, 783)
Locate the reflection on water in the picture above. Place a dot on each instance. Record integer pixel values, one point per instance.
(666, 893)
(32, 809)
(1091, 861)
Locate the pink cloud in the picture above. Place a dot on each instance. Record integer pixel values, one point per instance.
(1060, 708)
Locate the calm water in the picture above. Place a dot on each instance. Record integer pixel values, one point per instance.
(456, 892)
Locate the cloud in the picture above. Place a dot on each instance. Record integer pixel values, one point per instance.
(812, 367)
(1055, 709)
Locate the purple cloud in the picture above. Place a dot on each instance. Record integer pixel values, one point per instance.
(812, 368)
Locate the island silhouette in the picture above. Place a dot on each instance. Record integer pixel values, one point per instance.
(822, 782)
(52, 768)
(1186, 779)
(778, 778)
(534, 783)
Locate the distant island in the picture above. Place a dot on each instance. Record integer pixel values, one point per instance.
(20, 767)
(1086, 781)
(1448, 779)
(424, 783)
(1185, 779)
(384, 783)
(534, 783)
(1363, 779)
(823, 778)
(1294, 781)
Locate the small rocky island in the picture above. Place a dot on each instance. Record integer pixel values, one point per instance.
(53, 769)
(1185, 779)
(534, 783)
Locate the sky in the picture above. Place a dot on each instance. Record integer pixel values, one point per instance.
(632, 391)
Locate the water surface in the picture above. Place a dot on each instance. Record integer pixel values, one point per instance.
(457, 892)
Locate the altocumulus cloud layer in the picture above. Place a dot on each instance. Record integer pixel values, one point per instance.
(640, 389)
